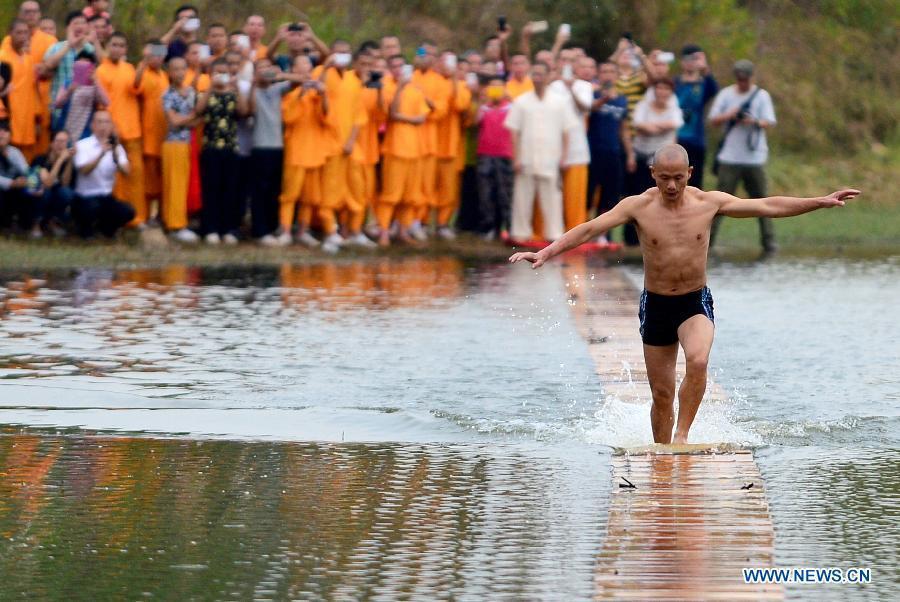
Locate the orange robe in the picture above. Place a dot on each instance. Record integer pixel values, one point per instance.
(23, 101)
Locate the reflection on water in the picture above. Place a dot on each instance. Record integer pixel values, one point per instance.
(236, 521)
(457, 419)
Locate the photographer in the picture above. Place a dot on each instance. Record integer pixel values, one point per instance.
(98, 160)
(746, 112)
(695, 87)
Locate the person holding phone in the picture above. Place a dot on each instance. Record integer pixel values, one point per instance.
(178, 104)
(449, 145)
(152, 82)
(100, 159)
(118, 79)
(183, 31)
(216, 43)
(220, 108)
(59, 60)
(695, 88)
(56, 175)
(77, 102)
(306, 137)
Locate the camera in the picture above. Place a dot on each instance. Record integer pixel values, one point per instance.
(374, 80)
(501, 23)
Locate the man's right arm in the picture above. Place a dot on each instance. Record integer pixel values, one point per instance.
(618, 215)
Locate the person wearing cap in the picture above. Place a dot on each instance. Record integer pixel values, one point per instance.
(745, 111)
(695, 87)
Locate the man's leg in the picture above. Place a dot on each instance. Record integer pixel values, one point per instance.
(696, 337)
(727, 182)
(550, 198)
(757, 187)
(660, 362)
(523, 206)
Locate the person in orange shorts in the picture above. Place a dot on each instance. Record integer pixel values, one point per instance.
(304, 111)
(400, 172)
(118, 77)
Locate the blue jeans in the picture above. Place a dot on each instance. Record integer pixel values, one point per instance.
(53, 204)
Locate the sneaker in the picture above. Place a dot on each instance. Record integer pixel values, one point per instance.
(212, 239)
(360, 240)
(185, 236)
(268, 240)
(446, 233)
(394, 230)
(36, 233)
(307, 240)
(488, 236)
(418, 232)
(332, 243)
(230, 239)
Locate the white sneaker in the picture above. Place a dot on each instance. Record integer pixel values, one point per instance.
(306, 239)
(212, 239)
(418, 232)
(185, 236)
(360, 240)
(335, 239)
(268, 241)
(230, 239)
(446, 233)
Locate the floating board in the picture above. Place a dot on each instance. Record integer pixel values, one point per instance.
(681, 449)
(588, 247)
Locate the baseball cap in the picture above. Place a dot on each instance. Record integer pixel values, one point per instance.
(743, 67)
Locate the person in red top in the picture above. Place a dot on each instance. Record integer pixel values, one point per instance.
(495, 169)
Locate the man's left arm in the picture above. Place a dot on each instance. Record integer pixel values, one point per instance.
(778, 206)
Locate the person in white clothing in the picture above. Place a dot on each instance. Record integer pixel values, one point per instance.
(656, 124)
(575, 87)
(98, 159)
(540, 123)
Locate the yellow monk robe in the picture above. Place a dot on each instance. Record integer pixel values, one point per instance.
(575, 184)
(306, 137)
(202, 80)
(438, 90)
(154, 127)
(517, 87)
(38, 46)
(117, 79)
(23, 101)
(401, 188)
(367, 152)
(345, 111)
(176, 169)
(449, 136)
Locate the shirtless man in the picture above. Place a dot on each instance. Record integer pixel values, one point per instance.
(673, 222)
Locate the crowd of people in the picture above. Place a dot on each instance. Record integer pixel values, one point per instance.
(217, 136)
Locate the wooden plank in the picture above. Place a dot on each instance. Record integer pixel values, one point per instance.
(697, 513)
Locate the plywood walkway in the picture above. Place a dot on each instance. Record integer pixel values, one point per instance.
(683, 520)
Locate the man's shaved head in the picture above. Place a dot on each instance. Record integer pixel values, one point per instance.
(671, 154)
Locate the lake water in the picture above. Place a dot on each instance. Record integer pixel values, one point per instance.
(418, 427)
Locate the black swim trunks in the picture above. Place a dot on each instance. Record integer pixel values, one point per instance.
(661, 315)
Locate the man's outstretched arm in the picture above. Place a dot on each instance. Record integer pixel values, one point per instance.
(580, 234)
(779, 206)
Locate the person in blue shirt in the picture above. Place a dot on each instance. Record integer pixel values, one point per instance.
(609, 139)
(695, 87)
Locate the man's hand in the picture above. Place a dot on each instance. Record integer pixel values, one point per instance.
(840, 197)
(503, 34)
(631, 163)
(20, 182)
(535, 259)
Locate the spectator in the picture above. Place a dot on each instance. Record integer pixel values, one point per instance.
(695, 87)
(118, 78)
(220, 109)
(78, 102)
(495, 169)
(152, 82)
(371, 70)
(178, 104)
(304, 112)
(239, 67)
(38, 44)
(267, 157)
(519, 82)
(14, 201)
(101, 28)
(22, 92)
(194, 75)
(609, 139)
(390, 46)
(56, 173)
(656, 123)
(541, 123)
(449, 142)
(746, 112)
(99, 159)
(183, 31)
(96, 8)
(239, 46)
(401, 167)
(217, 41)
(255, 29)
(48, 26)
(575, 88)
(59, 59)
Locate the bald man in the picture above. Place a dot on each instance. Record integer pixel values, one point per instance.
(673, 222)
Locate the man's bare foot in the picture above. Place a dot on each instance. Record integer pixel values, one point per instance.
(384, 239)
(679, 438)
